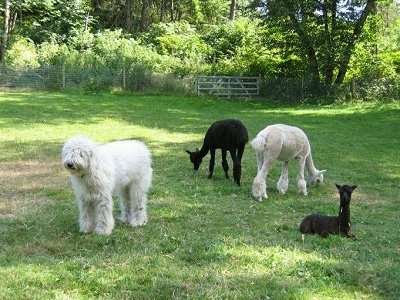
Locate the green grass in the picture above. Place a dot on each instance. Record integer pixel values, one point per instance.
(206, 239)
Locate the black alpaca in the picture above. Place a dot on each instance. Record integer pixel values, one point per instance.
(227, 135)
(325, 225)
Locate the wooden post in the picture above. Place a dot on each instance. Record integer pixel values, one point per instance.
(123, 78)
(63, 76)
(196, 85)
(229, 87)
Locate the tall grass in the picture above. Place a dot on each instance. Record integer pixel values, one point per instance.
(206, 239)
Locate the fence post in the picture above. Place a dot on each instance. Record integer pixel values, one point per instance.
(123, 77)
(63, 76)
(229, 88)
(196, 85)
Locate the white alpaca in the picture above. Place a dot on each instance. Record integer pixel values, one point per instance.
(283, 142)
(121, 167)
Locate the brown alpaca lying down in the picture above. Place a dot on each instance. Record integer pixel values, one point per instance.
(326, 225)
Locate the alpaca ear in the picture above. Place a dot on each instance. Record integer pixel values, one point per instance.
(353, 187)
(322, 171)
(188, 152)
(338, 186)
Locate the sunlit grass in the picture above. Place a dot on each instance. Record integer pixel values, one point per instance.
(206, 239)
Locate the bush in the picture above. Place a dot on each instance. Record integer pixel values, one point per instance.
(22, 55)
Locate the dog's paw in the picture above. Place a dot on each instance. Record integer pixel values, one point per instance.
(102, 230)
(138, 222)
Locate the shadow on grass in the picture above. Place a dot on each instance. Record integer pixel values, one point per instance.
(205, 238)
(194, 249)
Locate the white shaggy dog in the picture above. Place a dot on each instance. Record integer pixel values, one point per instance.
(122, 168)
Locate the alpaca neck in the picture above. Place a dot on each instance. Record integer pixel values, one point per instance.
(203, 151)
(344, 216)
(310, 165)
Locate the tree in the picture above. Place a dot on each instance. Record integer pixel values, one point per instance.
(326, 30)
(41, 20)
(232, 12)
(4, 37)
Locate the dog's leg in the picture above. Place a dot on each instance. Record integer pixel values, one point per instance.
(124, 205)
(138, 200)
(86, 216)
(104, 216)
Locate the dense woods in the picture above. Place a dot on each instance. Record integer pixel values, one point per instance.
(349, 49)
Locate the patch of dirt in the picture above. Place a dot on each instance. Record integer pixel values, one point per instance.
(22, 184)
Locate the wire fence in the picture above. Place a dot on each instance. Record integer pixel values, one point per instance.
(136, 78)
(62, 77)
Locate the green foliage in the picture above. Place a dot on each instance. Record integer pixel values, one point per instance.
(22, 55)
(51, 53)
(42, 21)
(297, 55)
(394, 58)
(181, 41)
(326, 34)
(213, 11)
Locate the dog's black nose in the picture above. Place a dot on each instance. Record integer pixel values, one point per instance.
(70, 165)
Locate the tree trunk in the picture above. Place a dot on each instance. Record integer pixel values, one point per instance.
(172, 11)
(344, 63)
(143, 15)
(310, 52)
(96, 4)
(4, 37)
(128, 16)
(232, 13)
(162, 11)
(329, 10)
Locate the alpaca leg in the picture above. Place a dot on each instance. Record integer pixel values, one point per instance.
(225, 165)
(237, 169)
(237, 164)
(301, 183)
(283, 182)
(104, 217)
(86, 216)
(212, 163)
(259, 188)
(260, 161)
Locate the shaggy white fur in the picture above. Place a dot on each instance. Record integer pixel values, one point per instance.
(283, 142)
(121, 167)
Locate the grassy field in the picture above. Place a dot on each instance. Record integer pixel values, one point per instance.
(206, 239)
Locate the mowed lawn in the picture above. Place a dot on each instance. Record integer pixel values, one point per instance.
(206, 239)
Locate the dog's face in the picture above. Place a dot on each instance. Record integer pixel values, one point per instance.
(76, 156)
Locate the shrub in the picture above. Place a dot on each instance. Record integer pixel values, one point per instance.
(22, 55)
